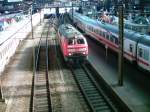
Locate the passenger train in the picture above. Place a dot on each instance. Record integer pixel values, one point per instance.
(72, 43)
(136, 45)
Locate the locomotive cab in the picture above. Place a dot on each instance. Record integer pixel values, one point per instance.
(77, 47)
(73, 44)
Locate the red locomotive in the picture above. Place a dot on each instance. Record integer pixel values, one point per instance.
(72, 43)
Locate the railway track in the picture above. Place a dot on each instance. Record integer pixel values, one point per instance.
(94, 96)
(40, 95)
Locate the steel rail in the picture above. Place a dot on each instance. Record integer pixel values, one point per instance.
(47, 76)
(33, 78)
(95, 98)
(40, 93)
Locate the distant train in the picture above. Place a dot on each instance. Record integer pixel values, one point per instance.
(143, 28)
(72, 43)
(136, 45)
(128, 24)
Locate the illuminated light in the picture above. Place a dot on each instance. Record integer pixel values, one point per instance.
(71, 50)
(69, 54)
(83, 52)
(82, 49)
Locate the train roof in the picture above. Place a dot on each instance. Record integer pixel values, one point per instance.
(68, 30)
(145, 39)
(127, 33)
(142, 38)
(86, 19)
(108, 27)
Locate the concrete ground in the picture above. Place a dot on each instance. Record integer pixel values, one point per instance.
(135, 92)
(66, 96)
(17, 80)
(17, 76)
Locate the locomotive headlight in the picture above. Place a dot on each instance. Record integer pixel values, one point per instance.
(82, 49)
(71, 50)
(69, 54)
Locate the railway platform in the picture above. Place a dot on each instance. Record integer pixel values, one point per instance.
(133, 94)
(17, 80)
(2, 106)
(17, 76)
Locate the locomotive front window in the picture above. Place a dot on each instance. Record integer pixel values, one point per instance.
(74, 41)
(80, 41)
(71, 41)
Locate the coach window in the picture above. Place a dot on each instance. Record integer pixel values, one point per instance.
(92, 29)
(112, 39)
(107, 36)
(140, 52)
(100, 32)
(89, 27)
(146, 54)
(144, 30)
(132, 27)
(104, 34)
(138, 29)
(97, 31)
(131, 47)
(127, 26)
(116, 41)
(135, 29)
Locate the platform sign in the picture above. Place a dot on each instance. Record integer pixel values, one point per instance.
(15, 0)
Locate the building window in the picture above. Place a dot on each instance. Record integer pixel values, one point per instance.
(146, 54)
